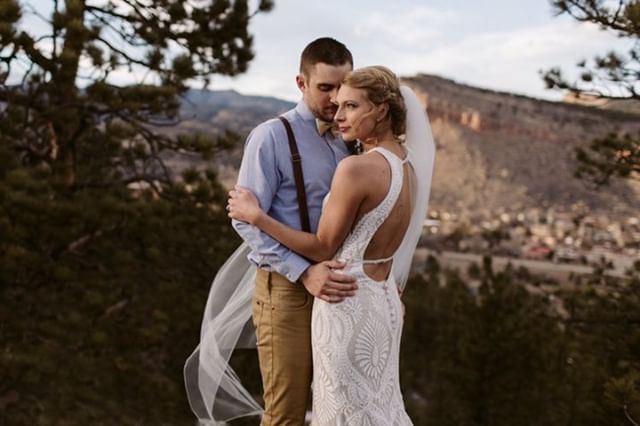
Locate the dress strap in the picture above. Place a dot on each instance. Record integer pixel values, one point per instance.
(381, 149)
(376, 261)
(406, 157)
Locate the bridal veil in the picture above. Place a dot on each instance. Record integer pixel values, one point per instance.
(213, 389)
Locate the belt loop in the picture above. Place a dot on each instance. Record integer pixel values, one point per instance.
(269, 284)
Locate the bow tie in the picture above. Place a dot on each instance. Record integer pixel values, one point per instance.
(324, 126)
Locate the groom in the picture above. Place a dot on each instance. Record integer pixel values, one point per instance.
(286, 283)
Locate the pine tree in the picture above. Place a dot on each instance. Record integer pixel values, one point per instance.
(603, 328)
(106, 255)
(613, 76)
(489, 356)
(603, 322)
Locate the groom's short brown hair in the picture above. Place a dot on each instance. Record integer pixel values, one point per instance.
(326, 50)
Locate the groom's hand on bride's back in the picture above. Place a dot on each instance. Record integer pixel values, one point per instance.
(325, 281)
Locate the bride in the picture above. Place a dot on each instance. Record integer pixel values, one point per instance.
(372, 219)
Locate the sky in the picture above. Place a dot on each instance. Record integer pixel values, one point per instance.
(494, 44)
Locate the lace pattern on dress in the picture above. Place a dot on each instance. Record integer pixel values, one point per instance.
(356, 343)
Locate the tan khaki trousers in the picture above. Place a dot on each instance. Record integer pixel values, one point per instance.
(282, 317)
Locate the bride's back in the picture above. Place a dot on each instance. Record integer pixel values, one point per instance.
(390, 234)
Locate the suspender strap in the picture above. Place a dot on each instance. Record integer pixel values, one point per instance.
(296, 161)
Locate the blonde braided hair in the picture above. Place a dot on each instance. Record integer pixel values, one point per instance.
(381, 86)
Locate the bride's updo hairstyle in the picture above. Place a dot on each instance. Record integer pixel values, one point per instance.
(381, 86)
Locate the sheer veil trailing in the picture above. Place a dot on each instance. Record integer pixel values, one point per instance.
(419, 141)
(213, 389)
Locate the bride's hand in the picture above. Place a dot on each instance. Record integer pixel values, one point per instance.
(243, 205)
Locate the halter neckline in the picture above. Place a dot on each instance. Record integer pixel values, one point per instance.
(402, 160)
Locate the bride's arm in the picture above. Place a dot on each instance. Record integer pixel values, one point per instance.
(348, 191)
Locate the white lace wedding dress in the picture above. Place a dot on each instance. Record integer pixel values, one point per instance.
(356, 343)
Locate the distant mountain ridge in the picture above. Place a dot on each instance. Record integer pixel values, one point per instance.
(499, 149)
(625, 105)
(229, 109)
(494, 150)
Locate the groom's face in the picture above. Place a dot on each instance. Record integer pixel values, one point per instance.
(320, 86)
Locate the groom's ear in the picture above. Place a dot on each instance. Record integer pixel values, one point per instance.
(301, 82)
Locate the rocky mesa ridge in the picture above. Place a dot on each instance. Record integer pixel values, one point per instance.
(494, 150)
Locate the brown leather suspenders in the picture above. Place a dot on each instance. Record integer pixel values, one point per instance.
(296, 161)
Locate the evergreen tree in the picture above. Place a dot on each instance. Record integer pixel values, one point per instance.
(603, 321)
(106, 255)
(490, 356)
(613, 76)
(604, 330)
(501, 355)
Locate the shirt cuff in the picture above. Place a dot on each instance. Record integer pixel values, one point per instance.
(293, 267)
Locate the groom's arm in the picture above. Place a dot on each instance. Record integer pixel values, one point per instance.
(259, 173)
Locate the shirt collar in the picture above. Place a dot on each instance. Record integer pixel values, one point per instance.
(304, 112)
(302, 109)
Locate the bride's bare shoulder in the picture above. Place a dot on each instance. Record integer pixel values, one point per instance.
(358, 164)
(359, 173)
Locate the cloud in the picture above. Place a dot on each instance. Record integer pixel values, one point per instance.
(511, 60)
(410, 27)
(369, 33)
(501, 47)
(412, 38)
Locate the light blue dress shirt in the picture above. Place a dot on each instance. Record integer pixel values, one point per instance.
(267, 171)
